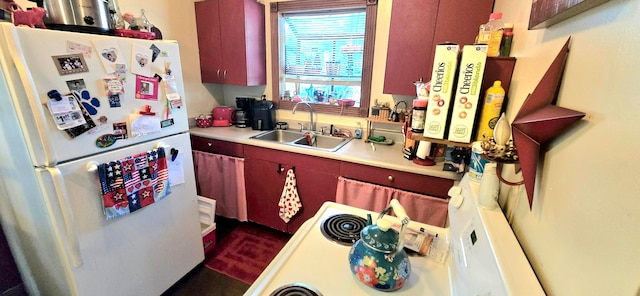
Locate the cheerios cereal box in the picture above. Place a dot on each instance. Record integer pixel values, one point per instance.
(465, 102)
(443, 77)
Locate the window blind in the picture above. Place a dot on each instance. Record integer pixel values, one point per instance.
(327, 43)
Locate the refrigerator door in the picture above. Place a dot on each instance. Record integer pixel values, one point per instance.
(31, 61)
(142, 253)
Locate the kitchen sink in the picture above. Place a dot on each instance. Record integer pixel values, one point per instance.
(280, 136)
(298, 139)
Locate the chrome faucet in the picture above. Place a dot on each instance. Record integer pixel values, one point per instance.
(312, 125)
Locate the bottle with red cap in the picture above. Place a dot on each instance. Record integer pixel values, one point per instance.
(491, 34)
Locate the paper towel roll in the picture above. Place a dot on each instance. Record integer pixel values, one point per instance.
(424, 148)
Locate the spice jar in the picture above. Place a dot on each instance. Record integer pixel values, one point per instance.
(418, 115)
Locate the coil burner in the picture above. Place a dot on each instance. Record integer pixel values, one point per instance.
(296, 289)
(343, 228)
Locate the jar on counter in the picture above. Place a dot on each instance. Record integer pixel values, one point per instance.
(418, 115)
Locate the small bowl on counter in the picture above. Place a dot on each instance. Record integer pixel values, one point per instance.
(204, 121)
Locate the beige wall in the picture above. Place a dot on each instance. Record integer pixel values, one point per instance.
(582, 235)
(176, 20)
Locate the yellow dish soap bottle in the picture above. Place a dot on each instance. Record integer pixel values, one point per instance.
(493, 100)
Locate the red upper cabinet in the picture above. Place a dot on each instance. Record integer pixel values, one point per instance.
(411, 33)
(231, 39)
(417, 26)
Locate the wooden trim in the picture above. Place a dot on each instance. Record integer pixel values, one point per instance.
(370, 33)
(325, 108)
(367, 63)
(275, 58)
(307, 5)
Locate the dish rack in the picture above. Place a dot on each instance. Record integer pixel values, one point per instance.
(207, 209)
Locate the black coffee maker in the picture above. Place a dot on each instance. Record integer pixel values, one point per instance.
(242, 115)
(263, 115)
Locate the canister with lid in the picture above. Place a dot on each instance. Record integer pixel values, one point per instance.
(418, 115)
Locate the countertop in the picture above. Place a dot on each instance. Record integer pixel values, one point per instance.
(356, 151)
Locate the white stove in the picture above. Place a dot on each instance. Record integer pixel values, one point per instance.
(483, 258)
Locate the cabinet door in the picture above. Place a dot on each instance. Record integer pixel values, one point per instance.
(231, 39)
(208, 24)
(243, 46)
(460, 20)
(412, 43)
(264, 185)
(314, 187)
(265, 174)
(409, 55)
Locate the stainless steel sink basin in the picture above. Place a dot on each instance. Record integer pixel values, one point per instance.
(280, 136)
(298, 139)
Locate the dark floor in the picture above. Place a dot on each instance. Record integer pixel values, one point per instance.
(203, 281)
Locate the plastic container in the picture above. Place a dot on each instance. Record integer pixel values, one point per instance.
(493, 100)
(489, 187)
(418, 115)
(491, 34)
(358, 131)
(507, 38)
(477, 162)
(207, 210)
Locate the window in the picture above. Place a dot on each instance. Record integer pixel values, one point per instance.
(322, 53)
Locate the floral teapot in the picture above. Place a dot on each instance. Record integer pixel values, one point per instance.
(378, 259)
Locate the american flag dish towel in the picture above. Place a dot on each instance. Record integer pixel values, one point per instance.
(133, 182)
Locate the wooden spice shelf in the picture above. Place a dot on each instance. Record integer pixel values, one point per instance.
(380, 120)
(371, 120)
(418, 137)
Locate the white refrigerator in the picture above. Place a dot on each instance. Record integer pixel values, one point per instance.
(51, 204)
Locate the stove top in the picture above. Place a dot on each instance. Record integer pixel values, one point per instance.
(483, 257)
(296, 289)
(310, 258)
(343, 228)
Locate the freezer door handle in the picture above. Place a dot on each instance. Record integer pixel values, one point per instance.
(92, 167)
(26, 81)
(71, 244)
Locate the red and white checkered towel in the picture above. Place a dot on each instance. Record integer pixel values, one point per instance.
(289, 200)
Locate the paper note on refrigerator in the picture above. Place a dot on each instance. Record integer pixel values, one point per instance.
(141, 60)
(110, 54)
(66, 112)
(176, 170)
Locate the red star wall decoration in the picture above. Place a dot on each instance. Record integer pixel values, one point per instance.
(539, 121)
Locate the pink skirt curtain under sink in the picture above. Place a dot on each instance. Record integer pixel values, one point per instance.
(420, 208)
(221, 177)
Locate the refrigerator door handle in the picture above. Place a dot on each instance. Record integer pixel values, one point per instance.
(71, 244)
(29, 86)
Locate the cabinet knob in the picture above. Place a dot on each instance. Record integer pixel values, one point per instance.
(390, 178)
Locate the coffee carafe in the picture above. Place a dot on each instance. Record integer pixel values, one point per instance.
(242, 115)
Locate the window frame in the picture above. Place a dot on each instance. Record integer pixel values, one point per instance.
(277, 58)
